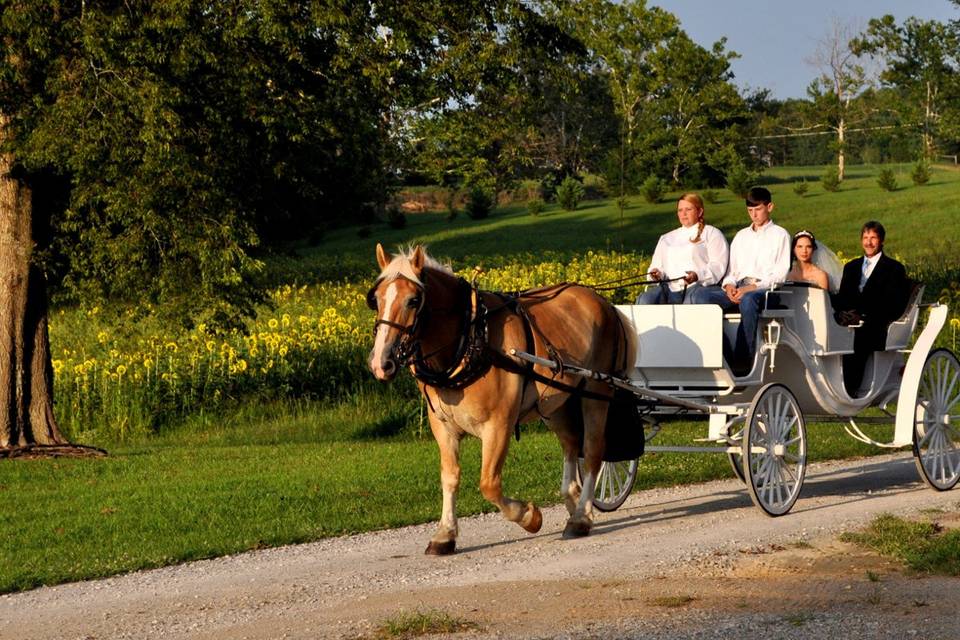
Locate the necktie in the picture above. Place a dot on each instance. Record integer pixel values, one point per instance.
(863, 274)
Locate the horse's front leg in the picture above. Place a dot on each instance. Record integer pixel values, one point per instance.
(444, 541)
(496, 442)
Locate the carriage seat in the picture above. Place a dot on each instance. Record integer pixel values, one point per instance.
(685, 336)
(807, 311)
(901, 329)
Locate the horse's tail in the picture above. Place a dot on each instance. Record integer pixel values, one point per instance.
(629, 344)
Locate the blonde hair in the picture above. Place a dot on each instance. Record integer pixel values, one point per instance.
(696, 201)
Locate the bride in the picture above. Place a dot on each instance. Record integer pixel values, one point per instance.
(814, 264)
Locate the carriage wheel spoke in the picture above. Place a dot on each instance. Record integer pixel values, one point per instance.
(926, 437)
(947, 390)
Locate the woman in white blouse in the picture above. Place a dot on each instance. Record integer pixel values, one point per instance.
(695, 255)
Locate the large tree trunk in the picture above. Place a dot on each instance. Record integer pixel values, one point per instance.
(26, 373)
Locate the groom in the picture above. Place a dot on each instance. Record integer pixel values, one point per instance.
(874, 291)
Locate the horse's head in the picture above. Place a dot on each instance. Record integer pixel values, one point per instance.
(398, 298)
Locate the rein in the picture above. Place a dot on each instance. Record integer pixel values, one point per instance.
(474, 356)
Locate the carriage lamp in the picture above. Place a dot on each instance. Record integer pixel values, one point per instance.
(771, 340)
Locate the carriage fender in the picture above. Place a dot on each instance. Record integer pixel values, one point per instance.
(909, 385)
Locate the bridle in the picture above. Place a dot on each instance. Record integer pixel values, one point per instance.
(407, 348)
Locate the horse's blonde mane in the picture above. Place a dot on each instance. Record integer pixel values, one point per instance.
(401, 265)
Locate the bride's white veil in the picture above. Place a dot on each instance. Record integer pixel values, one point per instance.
(827, 260)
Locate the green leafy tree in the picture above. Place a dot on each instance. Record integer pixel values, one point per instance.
(922, 62)
(150, 147)
(677, 108)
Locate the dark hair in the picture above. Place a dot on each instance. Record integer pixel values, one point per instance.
(758, 195)
(803, 234)
(873, 225)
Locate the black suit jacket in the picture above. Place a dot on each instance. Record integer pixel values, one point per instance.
(883, 299)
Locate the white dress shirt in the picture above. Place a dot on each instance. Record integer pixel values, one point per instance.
(866, 269)
(676, 254)
(762, 255)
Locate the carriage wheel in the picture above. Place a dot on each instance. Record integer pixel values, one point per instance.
(614, 483)
(775, 449)
(936, 423)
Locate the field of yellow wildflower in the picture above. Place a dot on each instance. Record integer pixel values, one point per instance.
(113, 380)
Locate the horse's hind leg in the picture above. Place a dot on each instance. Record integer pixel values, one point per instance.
(496, 441)
(594, 420)
(444, 541)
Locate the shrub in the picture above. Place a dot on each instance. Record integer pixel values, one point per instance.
(570, 193)
(479, 203)
(830, 180)
(652, 189)
(535, 206)
(710, 196)
(921, 173)
(739, 181)
(801, 188)
(623, 203)
(887, 179)
(396, 218)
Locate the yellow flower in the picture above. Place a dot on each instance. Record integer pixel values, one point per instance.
(273, 324)
(121, 370)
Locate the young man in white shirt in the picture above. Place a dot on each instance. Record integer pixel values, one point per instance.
(759, 260)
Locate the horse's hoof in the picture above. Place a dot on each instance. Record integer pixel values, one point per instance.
(441, 548)
(575, 530)
(532, 519)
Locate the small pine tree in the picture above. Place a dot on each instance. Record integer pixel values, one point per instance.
(830, 180)
(921, 173)
(479, 203)
(801, 188)
(710, 196)
(887, 179)
(653, 189)
(535, 206)
(570, 193)
(739, 180)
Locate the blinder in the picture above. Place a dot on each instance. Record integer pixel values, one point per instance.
(372, 296)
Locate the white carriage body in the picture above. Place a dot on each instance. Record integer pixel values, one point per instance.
(800, 345)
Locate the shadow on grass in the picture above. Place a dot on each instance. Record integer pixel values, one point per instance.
(390, 425)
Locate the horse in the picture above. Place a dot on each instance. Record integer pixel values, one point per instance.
(456, 340)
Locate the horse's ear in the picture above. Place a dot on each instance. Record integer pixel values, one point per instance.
(383, 258)
(417, 259)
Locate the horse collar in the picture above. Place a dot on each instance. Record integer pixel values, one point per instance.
(470, 361)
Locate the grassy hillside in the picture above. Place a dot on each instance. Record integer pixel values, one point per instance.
(919, 221)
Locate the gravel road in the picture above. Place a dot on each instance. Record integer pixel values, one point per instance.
(685, 562)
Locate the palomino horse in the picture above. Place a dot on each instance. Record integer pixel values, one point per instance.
(454, 338)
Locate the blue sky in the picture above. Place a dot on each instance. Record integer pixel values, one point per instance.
(774, 37)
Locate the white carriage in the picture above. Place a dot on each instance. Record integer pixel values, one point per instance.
(759, 419)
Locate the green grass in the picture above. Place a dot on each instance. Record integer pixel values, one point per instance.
(287, 474)
(922, 546)
(421, 623)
